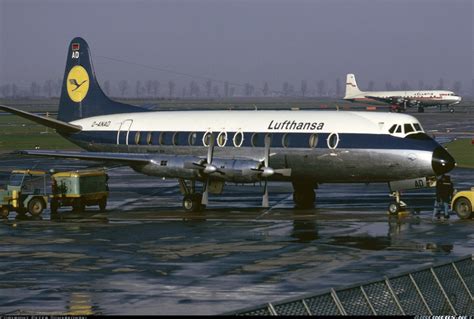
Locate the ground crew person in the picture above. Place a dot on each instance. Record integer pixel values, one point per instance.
(444, 193)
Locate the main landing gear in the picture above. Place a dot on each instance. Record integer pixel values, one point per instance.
(304, 196)
(397, 205)
(192, 200)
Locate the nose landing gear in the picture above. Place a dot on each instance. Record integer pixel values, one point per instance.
(397, 205)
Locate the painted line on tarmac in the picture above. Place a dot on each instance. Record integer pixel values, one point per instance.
(166, 190)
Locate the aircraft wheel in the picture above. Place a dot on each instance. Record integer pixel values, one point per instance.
(36, 206)
(451, 110)
(463, 208)
(192, 202)
(394, 208)
(5, 212)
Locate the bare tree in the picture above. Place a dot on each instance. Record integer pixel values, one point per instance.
(226, 89)
(123, 87)
(156, 88)
(421, 85)
(171, 86)
(208, 88)
(149, 87)
(232, 91)
(321, 87)
(48, 88)
(457, 87)
(404, 86)
(304, 87)
(57, 87)
(266, 89)
(138, 88)
(286, 88)
(14, 90)
(215, 91)
(440, 84)
(338, 87)
(388, 86)
(34, 89)
(371, 85)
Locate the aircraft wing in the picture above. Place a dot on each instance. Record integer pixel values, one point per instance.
(46, 121)
(125, 158)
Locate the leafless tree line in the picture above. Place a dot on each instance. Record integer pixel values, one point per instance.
(217, 89)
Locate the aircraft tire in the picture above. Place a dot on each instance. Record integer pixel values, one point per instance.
(394, 208)
(192, 203)
(463, 208)
(451, 110)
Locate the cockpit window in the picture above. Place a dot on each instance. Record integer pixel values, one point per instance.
(417, 127)
(392, 129)
(408, 128)
(399, 129)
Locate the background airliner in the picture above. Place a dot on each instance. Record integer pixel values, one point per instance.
(400, 100)
(306, 148)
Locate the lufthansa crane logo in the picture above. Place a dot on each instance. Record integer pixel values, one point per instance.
(77, 83)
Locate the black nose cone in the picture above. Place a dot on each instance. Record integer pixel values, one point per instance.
(442, 162)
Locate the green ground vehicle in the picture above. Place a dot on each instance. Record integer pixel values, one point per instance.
(79, 189)
(26, 192)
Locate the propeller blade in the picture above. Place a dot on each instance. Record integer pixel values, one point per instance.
(205, 193)
(267, 149)
(265, 202)
(210, 150)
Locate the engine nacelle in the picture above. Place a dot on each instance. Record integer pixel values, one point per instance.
(192, 167)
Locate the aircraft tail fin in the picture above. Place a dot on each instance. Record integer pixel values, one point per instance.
(81, 95)
(351, 87)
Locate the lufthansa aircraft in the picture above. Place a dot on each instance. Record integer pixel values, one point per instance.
(400, 99)
(306, 148)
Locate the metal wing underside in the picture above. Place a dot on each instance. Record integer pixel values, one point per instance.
(123, 158)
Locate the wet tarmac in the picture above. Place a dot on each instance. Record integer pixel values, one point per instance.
(146, 256)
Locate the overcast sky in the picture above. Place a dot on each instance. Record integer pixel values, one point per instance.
(244, 40)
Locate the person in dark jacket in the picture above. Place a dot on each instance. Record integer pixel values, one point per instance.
(444, 194)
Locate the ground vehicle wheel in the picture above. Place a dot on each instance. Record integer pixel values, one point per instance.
(192, 202)
(54, 206)
(463, 208)
(103, 204)
(5, 212)
(36, 206)
(393, 208)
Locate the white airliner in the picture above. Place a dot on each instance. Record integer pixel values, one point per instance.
(400, 100)
(306, 148)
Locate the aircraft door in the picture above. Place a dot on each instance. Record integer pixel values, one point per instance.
(123, 132)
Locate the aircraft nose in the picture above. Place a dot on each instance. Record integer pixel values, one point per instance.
(442, 162)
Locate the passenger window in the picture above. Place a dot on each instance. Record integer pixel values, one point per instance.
(254, 139)
(148, 138)
(399, 129)
(285, 140)
(222, 139)
(313, 140)
(192, 138)
(162, 138)
(176, 138)
(333, 140)
(392, 129)
(238, 139)
(408, 128)
(137, 138)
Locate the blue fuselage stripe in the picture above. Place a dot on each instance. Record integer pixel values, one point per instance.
(292, 140)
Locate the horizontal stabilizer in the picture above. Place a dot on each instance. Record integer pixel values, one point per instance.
(126, 158)
(46, 121)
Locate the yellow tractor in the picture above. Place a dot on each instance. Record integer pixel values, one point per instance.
(463, 203)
